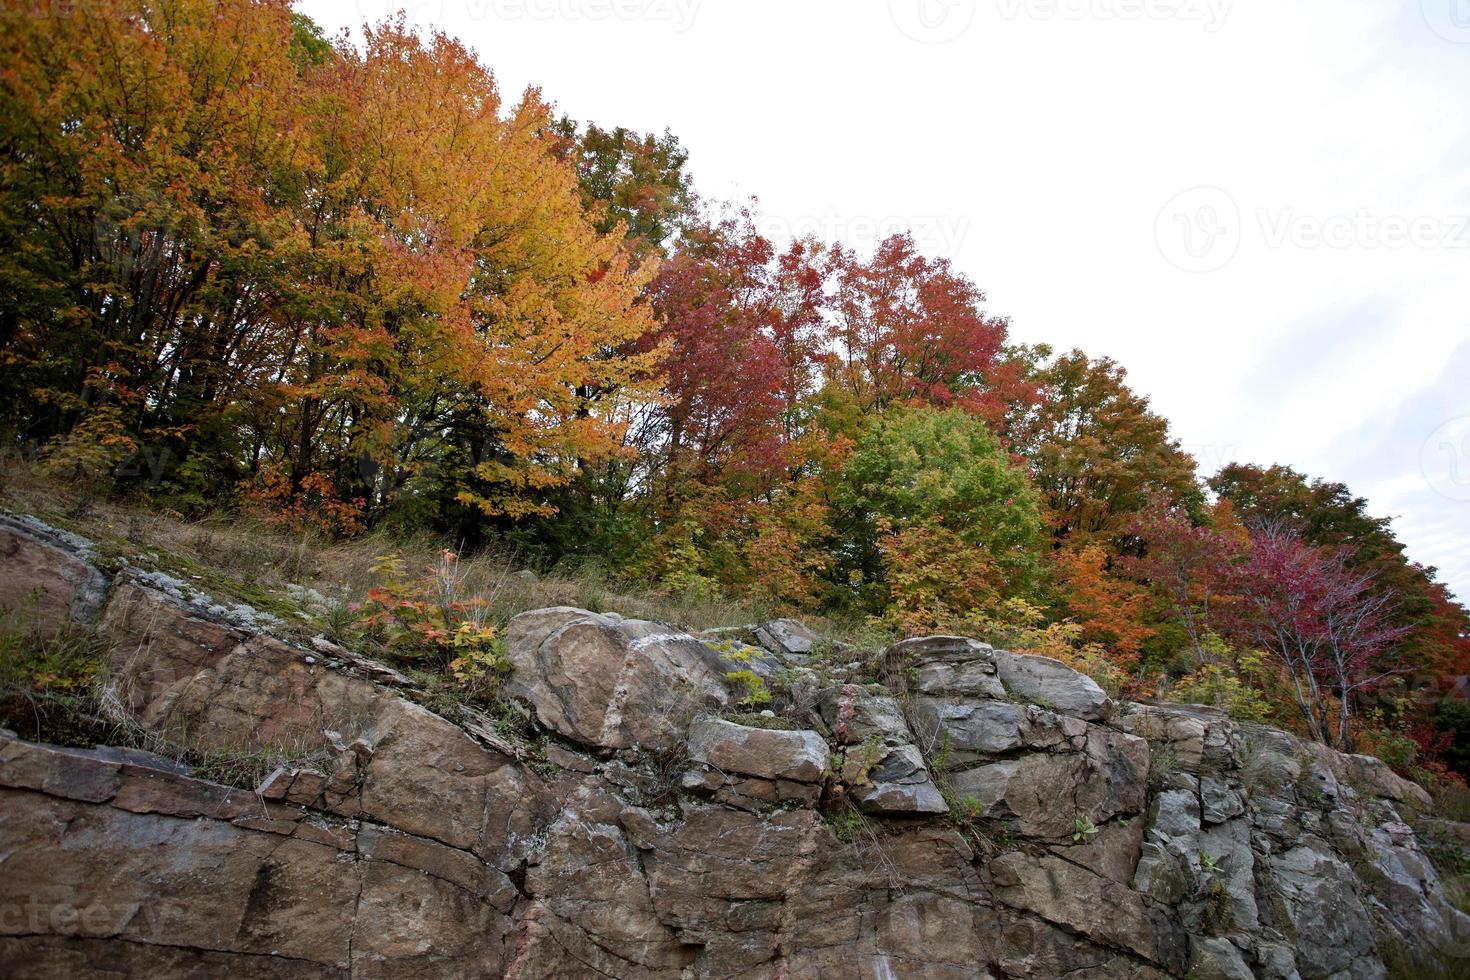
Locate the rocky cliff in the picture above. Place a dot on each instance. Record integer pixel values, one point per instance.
(942, 809)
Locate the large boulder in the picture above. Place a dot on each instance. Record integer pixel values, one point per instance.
(1052, 684)
(948, 665)
(1049, 794)
(800, 756)
(787, 638)
(612, 683)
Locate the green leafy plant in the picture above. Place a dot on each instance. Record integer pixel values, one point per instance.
(1227, 686)
(846, 823)
(752, 685)
(47, 678)
(1085, 828)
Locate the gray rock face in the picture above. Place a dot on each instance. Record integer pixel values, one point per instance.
(1049, 794)
(966, 730)
(798, 756)
(787, 638)
(900, 784)
(650, 838)
(949, 665)
(1050, 683)
(884, 767)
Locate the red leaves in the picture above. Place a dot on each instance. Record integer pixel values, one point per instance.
(1306, 603)
(909, 329)
(740, 327)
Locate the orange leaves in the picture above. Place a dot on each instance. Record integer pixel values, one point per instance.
(936, 581)
(1109, 609)
(313, 505)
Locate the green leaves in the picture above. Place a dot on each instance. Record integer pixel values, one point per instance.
(917, 467)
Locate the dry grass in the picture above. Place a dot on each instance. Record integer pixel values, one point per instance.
(237, 556)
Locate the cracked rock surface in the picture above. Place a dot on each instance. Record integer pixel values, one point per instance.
(979, 813)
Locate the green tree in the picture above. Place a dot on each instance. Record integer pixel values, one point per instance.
(636, 180)
(921, 476)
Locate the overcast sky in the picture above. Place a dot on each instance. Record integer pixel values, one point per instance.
(1260, 208)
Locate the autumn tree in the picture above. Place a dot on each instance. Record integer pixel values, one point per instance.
(1328, 626)
(1111, 609)
(634, 181)
(908, 329)
(511, 319)
(930, 491)
(1097, 451)
(1191, 568)
(146, 148)
(1328, 514)
(739, 327)
(331, 269)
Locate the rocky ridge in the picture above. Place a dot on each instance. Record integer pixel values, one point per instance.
(942, 810)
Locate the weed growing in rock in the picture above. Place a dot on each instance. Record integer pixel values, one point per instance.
(47, 678)
(1163, 762)
(434, 620)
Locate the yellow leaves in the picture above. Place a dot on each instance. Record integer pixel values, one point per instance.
(935, 580)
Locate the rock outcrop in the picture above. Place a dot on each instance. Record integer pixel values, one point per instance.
(981, 813)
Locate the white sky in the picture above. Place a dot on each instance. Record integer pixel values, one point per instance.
(1259, 207)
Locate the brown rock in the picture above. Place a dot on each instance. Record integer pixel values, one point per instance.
(43, 582)
(1062, 893)
(609, 682)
